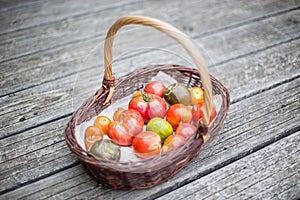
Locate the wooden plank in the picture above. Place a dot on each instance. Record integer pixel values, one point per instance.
(51, 101)
(241, 137)
(45, 12)
(6, 5)
(76, 38)
(93, 24)
(252, 177)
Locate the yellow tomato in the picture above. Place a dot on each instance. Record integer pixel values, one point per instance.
(117, 113)
(197, 94)
(102, 123)
(138, 93)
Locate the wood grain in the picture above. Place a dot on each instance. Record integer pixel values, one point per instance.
(252, 177)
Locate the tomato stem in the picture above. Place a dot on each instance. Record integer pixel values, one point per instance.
(146, 97)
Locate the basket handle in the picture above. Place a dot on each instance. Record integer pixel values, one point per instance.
(181, 38)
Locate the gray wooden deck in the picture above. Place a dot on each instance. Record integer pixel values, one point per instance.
(51, 61)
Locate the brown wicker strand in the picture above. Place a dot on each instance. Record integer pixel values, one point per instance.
(176, 34)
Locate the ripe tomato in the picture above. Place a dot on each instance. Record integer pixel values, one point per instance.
(155, 87)
(132, 120)
(178, 113)
(186, 130)
(117, 113)
(92, 134)
(146, 144)
(119, 134)
(198, 112)
(149, 106)
(197, 94)
(177, 93)
(102, 122)
(173, 141)
(161, 127)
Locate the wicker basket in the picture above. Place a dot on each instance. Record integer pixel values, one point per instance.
(149, 172)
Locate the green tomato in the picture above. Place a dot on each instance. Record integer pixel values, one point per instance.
(177, 93)
(105, 149)
(160, 126)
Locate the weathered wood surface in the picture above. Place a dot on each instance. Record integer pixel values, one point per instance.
(51, 62)
(264, 174)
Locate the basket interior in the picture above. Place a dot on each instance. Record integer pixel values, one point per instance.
(126, 86)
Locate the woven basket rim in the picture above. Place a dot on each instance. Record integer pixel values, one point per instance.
(157, 161)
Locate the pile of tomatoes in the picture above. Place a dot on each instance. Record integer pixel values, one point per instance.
(157, 120)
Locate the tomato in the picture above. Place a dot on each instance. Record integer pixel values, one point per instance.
(186, 130)
(149, 106)
(137, 93)
(92, 134)
(173, 141)
(106, 149)
(177, 93)
(102, 122)
(178, 113)
(197, 94)
(155, 87)
(132, 120)
(146, 144)
(198, 112)
(160, 126)
(119, 134)
(117, 113)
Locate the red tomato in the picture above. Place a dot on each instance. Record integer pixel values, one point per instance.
(146, 144)
(173, 141)
(92, 134)
(132, 120)
(198, 112)
(149, 106)
(178, 113)
(119, 134)
(186, 130)
(155, 87)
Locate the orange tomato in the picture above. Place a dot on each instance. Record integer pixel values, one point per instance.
(102, 122)
(117, 113)
(92, 134)
(179, 113)
(197, 94)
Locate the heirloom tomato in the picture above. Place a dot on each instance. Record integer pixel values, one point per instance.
(161, 127)
(178, 113)
(148, 105)
(132, 120)
(102, 122)
(186, 130)
(177, 93)
(106, 149)
(197, 94)
(119, 134)
(198, 112)
(92, 134)
(173, 141)
(146, 144)
(117, 113)
(155, 87)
